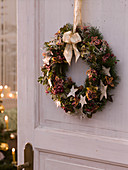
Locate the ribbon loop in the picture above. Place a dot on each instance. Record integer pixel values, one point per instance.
(67, 37)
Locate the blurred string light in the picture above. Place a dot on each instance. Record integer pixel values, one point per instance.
(12, 136)
(1, 87)
(5, 86)
(2, 95)
(5, 93)
(10, 95)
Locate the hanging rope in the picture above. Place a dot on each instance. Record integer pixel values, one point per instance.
(77, 14)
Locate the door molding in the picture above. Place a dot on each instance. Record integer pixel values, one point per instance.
(100, 149)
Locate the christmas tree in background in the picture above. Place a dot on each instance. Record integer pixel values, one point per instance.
(7, 140)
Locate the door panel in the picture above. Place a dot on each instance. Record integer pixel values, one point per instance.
(61, 141)
(57, 162)
(113, 120)
(82, 145)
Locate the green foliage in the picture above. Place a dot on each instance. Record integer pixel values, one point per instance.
(94, 31)
(7, 167)
(6, 163)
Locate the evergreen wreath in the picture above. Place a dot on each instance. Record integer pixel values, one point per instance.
(101, 76)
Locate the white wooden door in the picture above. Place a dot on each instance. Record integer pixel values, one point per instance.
(61, 141)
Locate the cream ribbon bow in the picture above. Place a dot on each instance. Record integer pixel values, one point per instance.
(71, 39)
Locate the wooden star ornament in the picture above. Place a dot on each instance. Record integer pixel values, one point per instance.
(46, 60)
(106, 71)
(82, 100)
(103, 90)
(72, 92)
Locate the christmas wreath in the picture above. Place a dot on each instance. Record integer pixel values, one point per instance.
(88, 44)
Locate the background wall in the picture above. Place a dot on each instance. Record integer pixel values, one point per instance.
(8, 42)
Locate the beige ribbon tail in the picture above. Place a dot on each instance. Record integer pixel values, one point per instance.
(77, 53)
(68, 53)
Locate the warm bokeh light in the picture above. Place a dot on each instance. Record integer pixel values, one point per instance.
(5, 86)
(1, 87)
(13, 150)
(4, 146)
(10, 95)
(12, 136)
(1, 109)
(2, 95)
(6, 118)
